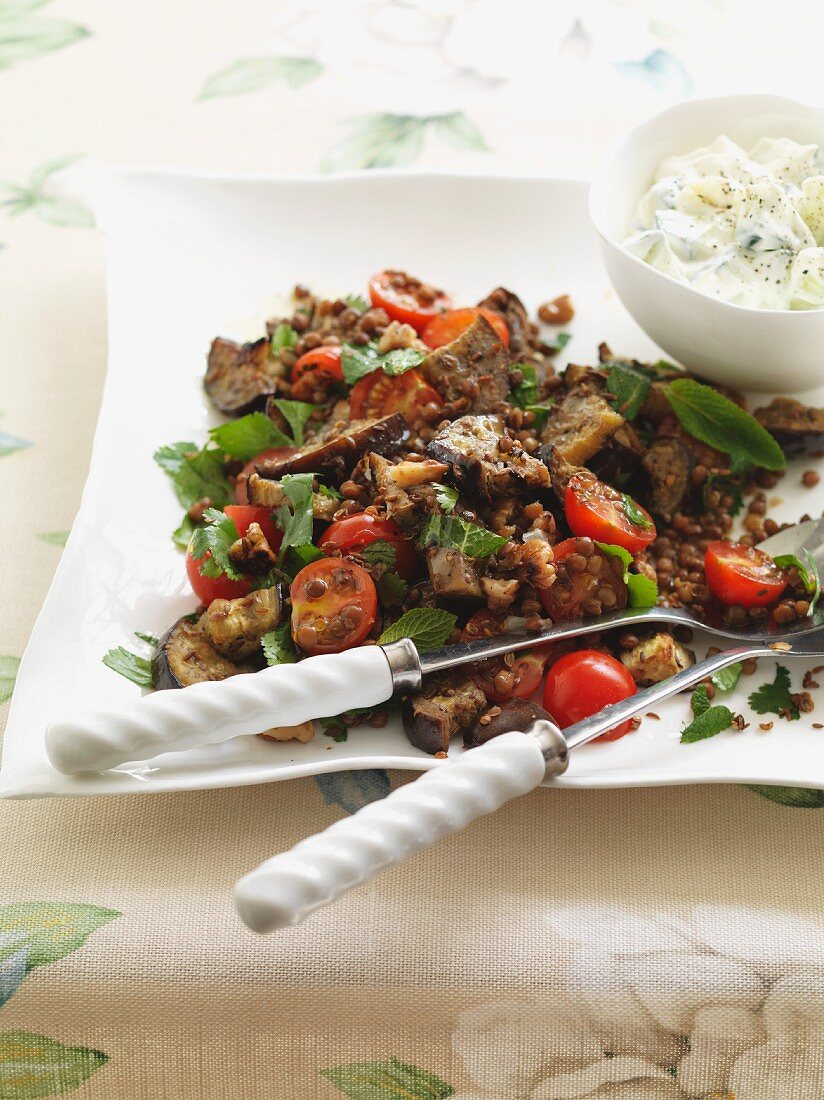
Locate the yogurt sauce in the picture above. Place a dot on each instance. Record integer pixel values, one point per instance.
(747, 227)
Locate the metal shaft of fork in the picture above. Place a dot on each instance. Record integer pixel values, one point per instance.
(616, 713)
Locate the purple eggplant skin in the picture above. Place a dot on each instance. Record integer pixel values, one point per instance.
(185, 657)
(516, 714)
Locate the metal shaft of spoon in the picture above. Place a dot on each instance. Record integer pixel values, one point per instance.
(616, 713)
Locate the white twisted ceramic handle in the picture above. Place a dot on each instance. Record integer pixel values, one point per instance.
(285, 889)
(215, 711)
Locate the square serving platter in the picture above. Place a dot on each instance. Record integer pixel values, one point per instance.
(193, 256)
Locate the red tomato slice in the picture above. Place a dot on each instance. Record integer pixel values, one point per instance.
(582, 684)
(407, 299)
(745, 575)
(378, 394)
(565, 599)
(317, 367)
(496, 679)
(274, 452)
(595, 510)
(213, 588)
(449, 326)
(334, 606)
(245, 515)
(353, 533)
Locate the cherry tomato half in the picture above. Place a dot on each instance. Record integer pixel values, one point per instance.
(582, 684)
(496, 679)
(334, 606)
(407, 299)
(743, 574)
(241, 496)
(595, 510)
(214, 588)
(449, 326)
(573, 588)
(378, 394)
(320, 366)
(351, 534)
(245, 515)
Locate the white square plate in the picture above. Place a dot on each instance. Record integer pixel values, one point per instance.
(192, 256)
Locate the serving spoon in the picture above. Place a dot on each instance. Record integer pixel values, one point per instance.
(318, 687)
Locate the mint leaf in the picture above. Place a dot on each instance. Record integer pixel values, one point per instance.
(775, 698)
(357, 301)
(296, 414)
(389, 1080)
(629, 386)
(808, 573)
(248, 436)
(278, 647)
(457, 534)
(446, 496)
(634, 513)
(725, 679)
(715, 420)
(128, 664)
(284, 336)
(526, 392)
(641, 590)
(215, 539)
(356, 362)
(295, 519)
(378, 551)
(392, 589)
(558, 342)
(707, 721)
(428, 627)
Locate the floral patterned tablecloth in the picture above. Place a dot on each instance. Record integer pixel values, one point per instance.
(620, 944)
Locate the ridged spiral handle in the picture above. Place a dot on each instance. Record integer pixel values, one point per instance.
(215, 711)
(285, 889)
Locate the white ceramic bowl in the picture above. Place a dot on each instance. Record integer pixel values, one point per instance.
(751, 348)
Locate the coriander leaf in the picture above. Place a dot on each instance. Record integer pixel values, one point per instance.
(641, 590)
(630, 387)
(284, 336)
(248, 436)
(634, 513)
(400, 360)
(708, 723)
(296, 521)
(170, 456)
(428, 627)
(775, 698)
(807, 572)
(357, 301)
(392, 589)
(356, 362)
(128, 664)
(725, 679)
(446, 496)
(215, 539)
(296, 414)
(278, 647)
(329, 491)
(715, 420)
(379, 551)
(526, 392)
(540, 412)
(149, 639)
(195, 474)
(457, 534)
(559, 342)
(182, 534)
(297, 557)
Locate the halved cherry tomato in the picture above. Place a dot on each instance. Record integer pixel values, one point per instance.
(245, 515)
(565, 599)
(496, 679)
(743, 574)
(582, 684)
(407, 299)
(449, 326)
(334, 606)
(241, 495)
(213, 588)
(320, 365)
(351, 534)
(378, 394)
(595, 510)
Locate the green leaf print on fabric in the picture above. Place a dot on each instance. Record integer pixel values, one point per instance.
(54, 538)
(8, 674)
(390, 1080)
(250, 74)
(33, 1065)
(11, 443)
(25, 35)
(802, 798)
(391, 141)
(35, 196)
(52, 930)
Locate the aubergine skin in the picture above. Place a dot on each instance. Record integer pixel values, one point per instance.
(240, 377)
(184, 657)
(515, 714)
(340, 452)
(448, 704)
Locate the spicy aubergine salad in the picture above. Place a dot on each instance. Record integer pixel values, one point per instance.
(405, 466)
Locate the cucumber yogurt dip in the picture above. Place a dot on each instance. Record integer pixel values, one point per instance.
(743, 226)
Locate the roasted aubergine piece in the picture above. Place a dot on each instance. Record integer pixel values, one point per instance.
(339, 450)
(798, 428)
(449, 703)
(473, 369)
(513, 311)
(186, 656)
(669, 463)
(240, 377)
(235, 627)
(485, 460)
(581, 425)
